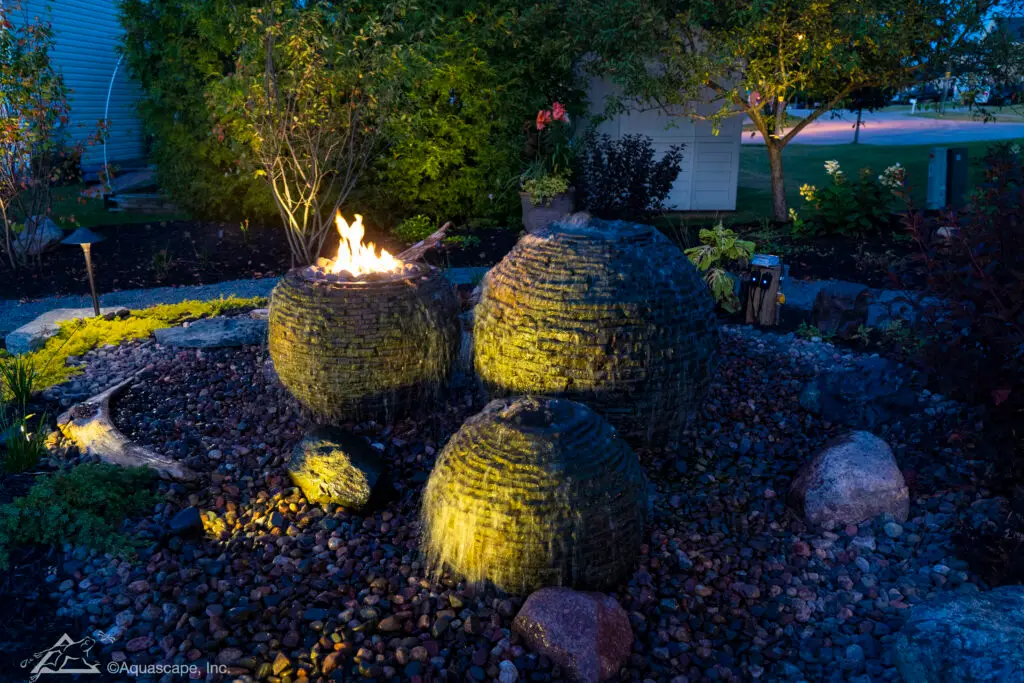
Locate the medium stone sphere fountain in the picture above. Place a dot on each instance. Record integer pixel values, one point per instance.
(608, 313)
(536, 492)
(366, 335)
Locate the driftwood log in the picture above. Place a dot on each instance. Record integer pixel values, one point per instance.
(536, 492)
(89, 426)
(370, 347)
(419, 250)
(611, 314)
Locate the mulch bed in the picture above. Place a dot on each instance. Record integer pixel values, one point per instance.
(730, 584)
(163, 254)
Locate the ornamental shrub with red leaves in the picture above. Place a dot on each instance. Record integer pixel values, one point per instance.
(973, 312)
(971, 317)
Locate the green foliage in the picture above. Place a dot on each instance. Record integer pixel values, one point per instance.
(415, 228)
(18, 381)
(760, 56)
(24, 446)
(463, 241)
(720, 247)
(482, 69)
(77, 337)
(545, 188)
(807, 331)
(176, 49)
(845, 206)
(86, 506)
(34, 115)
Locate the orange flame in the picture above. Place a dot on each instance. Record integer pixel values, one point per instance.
(357, 258)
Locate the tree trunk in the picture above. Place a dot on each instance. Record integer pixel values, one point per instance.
(779, 211)
(856, 128)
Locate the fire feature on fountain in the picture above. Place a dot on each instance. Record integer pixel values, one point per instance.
(356, 261)
(364, 334)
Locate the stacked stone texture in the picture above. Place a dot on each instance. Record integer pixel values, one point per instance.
(370, 347)
(536, 492)
(608, 313)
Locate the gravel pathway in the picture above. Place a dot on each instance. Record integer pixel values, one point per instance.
(14, 313)
(730, 583)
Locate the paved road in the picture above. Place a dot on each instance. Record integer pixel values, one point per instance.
(897, 128)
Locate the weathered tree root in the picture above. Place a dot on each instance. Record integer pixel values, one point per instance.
(89, 426)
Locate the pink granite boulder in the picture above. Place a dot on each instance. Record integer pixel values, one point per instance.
(586, 634)
(852, 479)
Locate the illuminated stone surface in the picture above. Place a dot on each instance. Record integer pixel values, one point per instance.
(536, 492)
(586, 634)
(369, 347)
(611, 314)
(332, 466)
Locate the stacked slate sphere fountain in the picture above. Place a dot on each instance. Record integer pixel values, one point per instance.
(365, 335)
(604, 322)
(536, 492)
(608, 313)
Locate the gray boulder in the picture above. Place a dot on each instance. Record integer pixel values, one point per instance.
(332, 466)
(841, 314)
(853, 478)
(964, 637)
(40, 234)
(212, 333)
(873, 392)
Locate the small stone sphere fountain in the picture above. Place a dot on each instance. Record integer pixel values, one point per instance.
(609, 313)
(363, 342)
(535, 492)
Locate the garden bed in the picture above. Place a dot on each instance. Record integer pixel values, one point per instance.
(730, 581)
(162, 254)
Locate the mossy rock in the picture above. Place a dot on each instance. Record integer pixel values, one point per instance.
(608, 313)
(535, 492)
(365, 348)
(333, 466)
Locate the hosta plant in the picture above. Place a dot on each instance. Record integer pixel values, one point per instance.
(720, 247)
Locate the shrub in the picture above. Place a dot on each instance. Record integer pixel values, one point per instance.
(34, 110)
(973, 311)
(85, 505)
(859, 206)
(622, 179)
(308, 105)
(719, 248)
(175, 49)
(415, 228)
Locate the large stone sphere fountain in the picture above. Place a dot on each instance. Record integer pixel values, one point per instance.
(363, 336)
(608, 313)
(536, 492)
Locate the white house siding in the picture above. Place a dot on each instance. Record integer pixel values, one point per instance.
(86, 34)
(711, 163)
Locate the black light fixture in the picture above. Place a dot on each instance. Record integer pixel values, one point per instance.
(86, 238)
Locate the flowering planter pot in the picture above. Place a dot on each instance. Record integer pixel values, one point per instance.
(538, 216)
(372, 346)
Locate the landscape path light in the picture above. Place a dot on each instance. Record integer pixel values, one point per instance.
(86, 238)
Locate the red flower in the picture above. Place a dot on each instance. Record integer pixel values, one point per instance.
(558, 112)
(543, 118)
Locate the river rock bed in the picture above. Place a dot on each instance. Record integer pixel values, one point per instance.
(730, 584)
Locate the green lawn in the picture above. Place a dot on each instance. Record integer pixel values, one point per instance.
(806, 164)
(71, 210)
